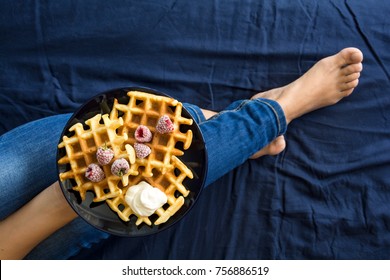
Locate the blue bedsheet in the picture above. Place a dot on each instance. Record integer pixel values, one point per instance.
(327, 196)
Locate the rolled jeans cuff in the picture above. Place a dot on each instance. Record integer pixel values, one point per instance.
(195, 112)
(233, 135)
(279, 114)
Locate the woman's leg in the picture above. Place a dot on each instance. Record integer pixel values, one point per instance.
(246, 128)
(28, 161)
(29, 168)
(229, 135)
(39, 218)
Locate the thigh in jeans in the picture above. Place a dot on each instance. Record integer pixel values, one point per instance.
(28, 161)
(28, 165)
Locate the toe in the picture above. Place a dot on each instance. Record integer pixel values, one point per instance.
(347, 92)
(357, 56)
(349, 85)
(351, 77)
(350, 56)
(352, 68)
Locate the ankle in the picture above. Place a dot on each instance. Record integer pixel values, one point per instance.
(208, 114)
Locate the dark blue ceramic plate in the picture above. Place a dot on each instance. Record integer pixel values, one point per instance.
(99, 214)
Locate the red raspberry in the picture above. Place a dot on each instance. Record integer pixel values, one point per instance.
(94, 173)
(141, 150)
(164, 125)
(120, 167)
(104, 155)
(143, 134)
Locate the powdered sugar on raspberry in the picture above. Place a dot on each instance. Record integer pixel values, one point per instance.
(120, 167)
(104, 155)
(94, 173)
(164, 125)
(141, 150)
(143, 134)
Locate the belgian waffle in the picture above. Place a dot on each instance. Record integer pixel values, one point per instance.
(81, 150)
(145, 109)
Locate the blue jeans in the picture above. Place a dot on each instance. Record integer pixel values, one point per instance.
(28, 159)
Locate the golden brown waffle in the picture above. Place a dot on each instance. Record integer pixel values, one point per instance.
(81, 151)
(146, 109)
(171, 183)
(161, 169)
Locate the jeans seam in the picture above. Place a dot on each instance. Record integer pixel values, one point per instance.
(242, 104)
(195, 114)
(275, 113)
(200, 120)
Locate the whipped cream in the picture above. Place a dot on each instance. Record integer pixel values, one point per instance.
(144, 199)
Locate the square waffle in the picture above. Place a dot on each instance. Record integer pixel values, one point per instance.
(145, 109)
(81, 150)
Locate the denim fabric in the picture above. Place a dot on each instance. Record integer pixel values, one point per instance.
(238, 132)
(28, 160)
(195, 112)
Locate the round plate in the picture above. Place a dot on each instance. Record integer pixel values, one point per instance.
(99, 214)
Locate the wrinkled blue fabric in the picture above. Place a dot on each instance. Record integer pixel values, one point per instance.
(327, 196)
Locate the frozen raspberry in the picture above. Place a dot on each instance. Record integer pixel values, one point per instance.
(104, 155)
(141, 150)
(94, 173)
(120, 167)
(143, 134)
(164, 125)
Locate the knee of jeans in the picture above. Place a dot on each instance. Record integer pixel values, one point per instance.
(14, 170)
(20, 181)
(21, 176)
(11, 185)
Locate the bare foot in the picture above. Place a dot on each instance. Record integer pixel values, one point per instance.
(326, 83)
(272, 149)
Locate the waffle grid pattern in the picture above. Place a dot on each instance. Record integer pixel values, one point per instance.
(146, 109)
(162, 168)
